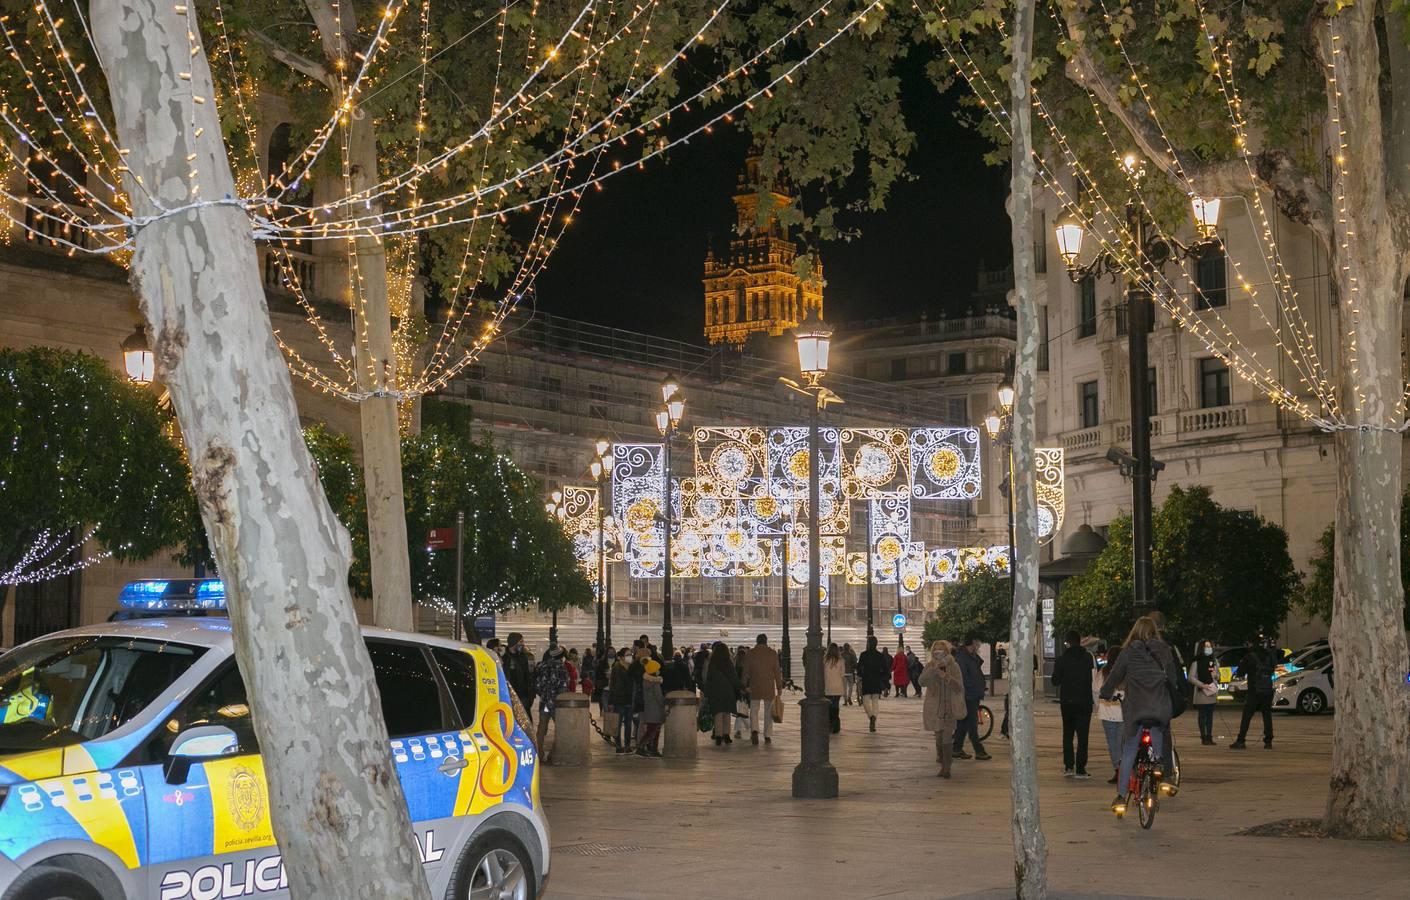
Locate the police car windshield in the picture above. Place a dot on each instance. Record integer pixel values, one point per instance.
(72, 689)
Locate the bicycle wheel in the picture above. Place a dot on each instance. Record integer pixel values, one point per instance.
(1147, 800)
(986, 723)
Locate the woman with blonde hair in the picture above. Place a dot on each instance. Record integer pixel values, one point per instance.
(834, 683)
(1145, 670)
(943, 700)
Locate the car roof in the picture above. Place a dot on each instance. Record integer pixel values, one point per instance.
(213, 632)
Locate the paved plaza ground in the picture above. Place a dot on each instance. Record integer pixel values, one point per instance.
(726, 826)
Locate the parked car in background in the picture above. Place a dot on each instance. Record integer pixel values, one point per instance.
(1307, 690)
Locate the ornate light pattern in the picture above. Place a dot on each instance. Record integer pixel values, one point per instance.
(832, 558)
(945, 463)
(636, 505)
(1052, 498)
(910, 569)
(876, 462)
(580, 525)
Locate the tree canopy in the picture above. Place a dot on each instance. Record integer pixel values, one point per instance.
(82, 447)
(1220, 573)
(1315, 599)
(979, 603)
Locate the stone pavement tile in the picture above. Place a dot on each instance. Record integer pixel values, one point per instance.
(726, 823)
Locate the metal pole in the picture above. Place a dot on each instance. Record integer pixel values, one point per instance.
(601, 565)
(787, 642)
(666, 644)
(829, 610)
(607, 618)
(870, 631)
(1137, 305)
(459, 576)
(901, 633)
(814, 777)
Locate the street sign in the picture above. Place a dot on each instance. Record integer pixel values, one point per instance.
(440, 538)
(898, 620)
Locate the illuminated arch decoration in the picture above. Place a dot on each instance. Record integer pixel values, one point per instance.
(876, 463)
(731, 462)
(832, 558)
(1052, 496)
(856, 569)
(910, 569)
(636, 505)
(945, 463)
(580, 525)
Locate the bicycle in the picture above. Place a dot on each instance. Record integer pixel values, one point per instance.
(1145, 785)
(986, 723)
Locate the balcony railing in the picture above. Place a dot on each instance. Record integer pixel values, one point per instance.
(290, 271)
(1172, 429)
(1213, 419)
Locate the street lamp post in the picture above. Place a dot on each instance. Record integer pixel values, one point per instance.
(814, 777)
(668, 420)
(559, 510)
(137, 358)
(870, 631)
(601, 468)
(787, 647)
(1153, 250)
(1000, 427)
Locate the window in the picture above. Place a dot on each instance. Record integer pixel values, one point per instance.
(1213, 383)
(957, 364)
(552, 390)
(597, 409)
(1212, 278)
(221, 702)
(411, 698)
(458, 669)
(898, 369)
(1087, 307)
(1087, 400)
(1040, 244)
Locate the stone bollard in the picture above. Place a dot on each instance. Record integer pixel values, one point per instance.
(570, 722)
(682, 709)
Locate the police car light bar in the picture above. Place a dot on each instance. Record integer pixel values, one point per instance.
(175, 593)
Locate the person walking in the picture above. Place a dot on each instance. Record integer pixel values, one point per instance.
(676, 675)
(874, 672)
(913, 669)
(1072, 676)
(849, 673)
(519, 669)
(721, 690)
(900, 673)
(1109, 711)
(1204, 679)
(943, 701)
(834, 683)
(1257, 667)
(973, 674)
(550, 680)
(741, 700)
(653, 710)
(763, 679)
(886, 690)
(619, 690)
(1145, 669)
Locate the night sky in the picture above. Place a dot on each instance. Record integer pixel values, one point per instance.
(634, 255)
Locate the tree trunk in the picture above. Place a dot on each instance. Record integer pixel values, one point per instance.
(335, 801)
(1369, 796)
(1030, 848)
(390, 560)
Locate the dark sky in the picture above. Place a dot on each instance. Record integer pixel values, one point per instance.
(634, 255)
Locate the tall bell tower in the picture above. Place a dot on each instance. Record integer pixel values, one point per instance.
(754, 288)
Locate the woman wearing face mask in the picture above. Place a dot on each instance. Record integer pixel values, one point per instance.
(1204, 678)
(944, 701)
(834, 683)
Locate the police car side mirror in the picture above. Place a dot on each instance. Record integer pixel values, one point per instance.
(197, 745)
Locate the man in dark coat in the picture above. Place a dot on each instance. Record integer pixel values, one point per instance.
(1257, 667)
(1072, 676)
(519, 669)
(973, 672)
(874, 670)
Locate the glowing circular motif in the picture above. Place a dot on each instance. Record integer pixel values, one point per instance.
(888, 548)
(765, 507)
(708, 508)
(1045, 521)
(944, 464)
(943, 566)
(874, 465)
(911, 582)
(734, 539)
(641, 515)
(798, 465)
(730, 462)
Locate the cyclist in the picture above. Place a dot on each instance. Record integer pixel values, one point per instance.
(1144, 670)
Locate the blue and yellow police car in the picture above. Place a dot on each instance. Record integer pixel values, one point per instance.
(129, 767)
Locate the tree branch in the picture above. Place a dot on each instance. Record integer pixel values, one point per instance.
(293, 60)
(333, 23)
(1298, 195)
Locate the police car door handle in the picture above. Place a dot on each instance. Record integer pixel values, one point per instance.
(452, 764)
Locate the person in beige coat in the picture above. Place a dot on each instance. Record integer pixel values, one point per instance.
(763, 680)
(944, 700)
(834, 685)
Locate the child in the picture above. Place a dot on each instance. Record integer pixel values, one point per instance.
(653, 710)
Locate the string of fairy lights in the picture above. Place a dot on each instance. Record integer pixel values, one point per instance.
(51, 556)
(1316, 399)
(388, 211)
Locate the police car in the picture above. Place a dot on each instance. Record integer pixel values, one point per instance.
(129, 767)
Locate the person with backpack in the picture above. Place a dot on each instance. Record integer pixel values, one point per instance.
(1147, 673)
(1072, 676)
(1257, 667)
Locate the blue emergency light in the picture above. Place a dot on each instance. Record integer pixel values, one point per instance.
(173, 594)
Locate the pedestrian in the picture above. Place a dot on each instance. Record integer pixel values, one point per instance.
(676, 675)
(1145, 670)
(874, 672)
(943, 702)
(550, 680)
(973, 674)
(653, 710)
(741, 700)
(721, 690)
(587, 667)
(900, 673)
(886, 652)
(1204, 680)
(600, 676)
(1257, 667)
(849, 673)
(519, 669)
(570, 662)
(619, 690)
(1109, 711)
(913, 669)
(641, 653)
(702, 659)
(1072, 676)
(834, 683)
(763, 679)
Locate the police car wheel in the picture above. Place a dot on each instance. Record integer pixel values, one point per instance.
(45, 883)
(494, 867)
